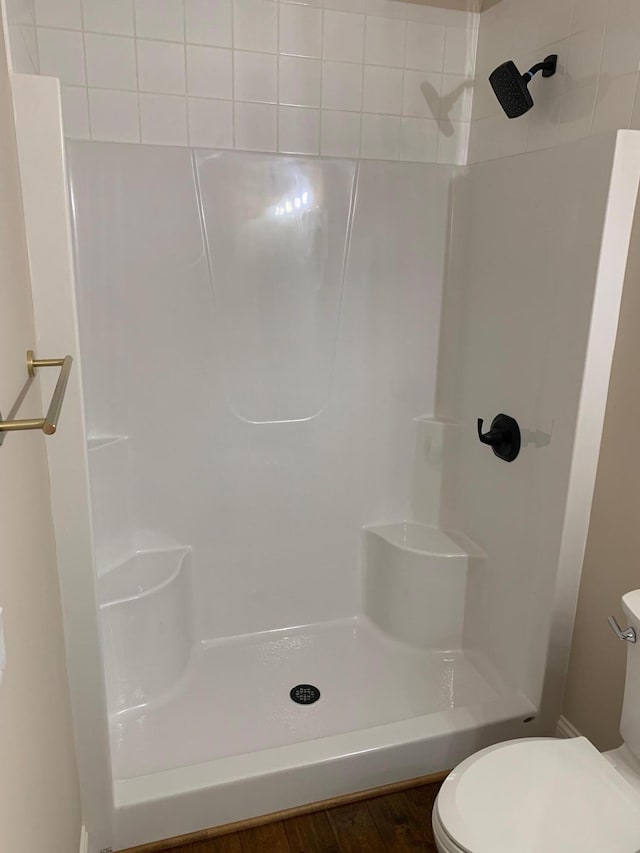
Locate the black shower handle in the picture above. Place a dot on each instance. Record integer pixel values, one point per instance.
(492, 438)
(503, 437)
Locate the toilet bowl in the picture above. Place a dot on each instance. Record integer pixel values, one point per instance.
(547, 795)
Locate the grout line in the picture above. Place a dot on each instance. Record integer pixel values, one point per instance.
(322, 11)
(404, 71)
(135, 52)
(35, 35)
(599, 77)
(186, 78)
(233, 74)
(86, 73)
(364, 65)
(278, 76)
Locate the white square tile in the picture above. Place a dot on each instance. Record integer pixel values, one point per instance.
(24, 49)
(585, 55)
(300, 81)
(21, 13)
(346, 5)
(428, 14)
(111, 61)
(62, 55)
(160, 19)
(380, 137)
(453, 146)
(614, 104)
(114, 116)
(209, 72)
(340, 134)
(256, 127)
(341, 86)
(514, 140)
(299, 130)
(458, 51)
(554, 20)
(161, 67)
(382, 90)
(66, 14)
(300, 30)
(384, 43)
(210, 123)
(577, 109)
(588, 13)
(486, 139)
(457, 97)
(635, 116)
(543, 126)
(209, 23)
(419, 140)
(621, 54)
(425, 46)
(75, 112)
(255, 76)
(163, 120)
(387, 8)
(343, 36)
(422, 94)
(255, 25)
(114, 17)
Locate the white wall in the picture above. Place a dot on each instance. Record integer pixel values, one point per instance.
(339, 78)
(595, 89)
(40, 803)
(275, 542)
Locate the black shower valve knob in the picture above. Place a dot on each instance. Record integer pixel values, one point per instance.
(503, 437)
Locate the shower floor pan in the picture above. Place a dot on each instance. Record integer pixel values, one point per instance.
(230, 743)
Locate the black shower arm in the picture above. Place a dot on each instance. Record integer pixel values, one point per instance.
(547, 65)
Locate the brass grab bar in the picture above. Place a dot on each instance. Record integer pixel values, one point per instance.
(48, 424)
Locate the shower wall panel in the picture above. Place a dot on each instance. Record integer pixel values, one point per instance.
(267, 377)
(529, 320)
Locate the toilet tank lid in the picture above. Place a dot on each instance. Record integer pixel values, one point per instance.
(631, 604)
(540, 795)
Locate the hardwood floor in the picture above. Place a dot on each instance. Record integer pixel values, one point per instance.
(391, 823)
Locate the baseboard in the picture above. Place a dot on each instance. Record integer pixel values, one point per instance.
(84, 840)
(566, 729)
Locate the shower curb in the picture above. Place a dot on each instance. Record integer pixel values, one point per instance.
(273, 817)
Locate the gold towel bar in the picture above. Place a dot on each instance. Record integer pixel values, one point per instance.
(48, 424)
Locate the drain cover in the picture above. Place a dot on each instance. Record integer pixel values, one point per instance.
(304, 694)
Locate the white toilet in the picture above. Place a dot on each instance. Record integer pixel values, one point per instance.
(546, 795)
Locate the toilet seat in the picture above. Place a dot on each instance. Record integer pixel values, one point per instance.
(538, 795)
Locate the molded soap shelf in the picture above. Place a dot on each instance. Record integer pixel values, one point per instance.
(415, 581)
(421, 539)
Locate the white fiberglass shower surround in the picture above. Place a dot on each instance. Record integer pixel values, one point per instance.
(284, 360)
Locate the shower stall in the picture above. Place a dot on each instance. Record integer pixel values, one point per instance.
(284, 360)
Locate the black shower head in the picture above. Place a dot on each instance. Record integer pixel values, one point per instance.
(512, 87)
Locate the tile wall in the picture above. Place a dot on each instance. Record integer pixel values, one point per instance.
(378, 79)
(21, 18)
(595, 90)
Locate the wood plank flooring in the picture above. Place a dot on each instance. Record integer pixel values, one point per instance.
(392, 823)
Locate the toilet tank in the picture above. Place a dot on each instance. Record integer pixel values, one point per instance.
(630, 722)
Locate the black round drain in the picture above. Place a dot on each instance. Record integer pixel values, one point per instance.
(304, 694)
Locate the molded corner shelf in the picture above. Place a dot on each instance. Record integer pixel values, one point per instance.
(146, 621)
(415, 580)
(97, 442)
(429, 541)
